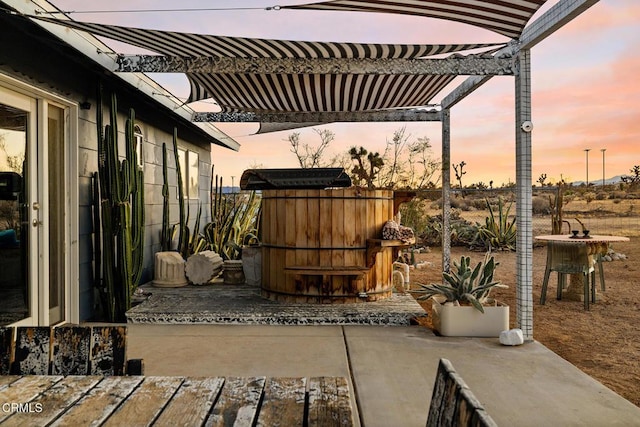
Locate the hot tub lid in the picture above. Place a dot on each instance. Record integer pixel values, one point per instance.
(294, 178)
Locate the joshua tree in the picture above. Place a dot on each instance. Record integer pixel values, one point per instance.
(459, 172)
(363, 172)
(634, 178)
(542, 179)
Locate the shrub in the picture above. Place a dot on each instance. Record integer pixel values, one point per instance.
(541, 205)
(478, 204)
(618, 195)
(459, 203)
(461, 231)
(414, 216)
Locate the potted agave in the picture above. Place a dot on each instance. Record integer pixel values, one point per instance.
(462, 305)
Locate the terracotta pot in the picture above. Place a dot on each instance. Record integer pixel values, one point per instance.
(232, 273)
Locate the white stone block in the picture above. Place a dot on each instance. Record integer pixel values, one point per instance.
(512, 337)
(169, 270)
(202, 267)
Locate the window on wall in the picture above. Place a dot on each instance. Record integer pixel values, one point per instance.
(189, 161)
(139, 141)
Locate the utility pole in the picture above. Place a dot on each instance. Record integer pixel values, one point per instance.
(603, 150)
(586, 152)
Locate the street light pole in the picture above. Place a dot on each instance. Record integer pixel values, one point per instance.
(603, 150)
(586, 152)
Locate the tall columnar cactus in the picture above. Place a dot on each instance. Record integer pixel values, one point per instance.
(122, 213)
(183, 239)
(166, 236)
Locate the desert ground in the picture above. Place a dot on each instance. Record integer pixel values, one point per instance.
(604, 342)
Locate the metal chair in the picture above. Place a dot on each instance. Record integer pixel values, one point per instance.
(571, 258)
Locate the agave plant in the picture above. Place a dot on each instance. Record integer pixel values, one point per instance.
(464, 285)
(498, 232)
(235, 221)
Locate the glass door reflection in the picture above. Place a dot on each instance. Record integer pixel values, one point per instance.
(15, 292)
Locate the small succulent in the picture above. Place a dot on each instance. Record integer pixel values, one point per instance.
(464, 284)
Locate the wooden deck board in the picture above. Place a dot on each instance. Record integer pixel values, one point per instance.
(191, 403)
(5, 380)
(238, 402)
(146, 403)
(46, 407)
(283, 403)
(97, 405)
(26, 389)
(329, 402)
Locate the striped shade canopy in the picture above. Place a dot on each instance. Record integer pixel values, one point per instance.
(506, 17)
(254, 92)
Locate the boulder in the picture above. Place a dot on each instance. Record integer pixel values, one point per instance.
(512, 337)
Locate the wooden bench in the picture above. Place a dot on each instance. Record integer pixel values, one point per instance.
(353, 272)
(453, 403)
(66, 350)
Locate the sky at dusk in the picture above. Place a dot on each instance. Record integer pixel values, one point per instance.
(585, 89)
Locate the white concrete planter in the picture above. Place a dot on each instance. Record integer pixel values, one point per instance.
(466, 321)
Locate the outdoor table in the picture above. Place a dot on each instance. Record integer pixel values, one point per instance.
(173, 401)
(575, 256)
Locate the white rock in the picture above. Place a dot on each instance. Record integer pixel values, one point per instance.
(202, 267)
(512, 337)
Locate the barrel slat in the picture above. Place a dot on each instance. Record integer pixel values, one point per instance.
(300, 222)
(313, 226)
(265, 225)
(337, 239)
(326, 217)
(349, 227)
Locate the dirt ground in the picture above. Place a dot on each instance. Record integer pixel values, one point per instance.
(604, 342)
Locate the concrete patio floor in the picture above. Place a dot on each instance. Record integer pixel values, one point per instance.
(392, 369)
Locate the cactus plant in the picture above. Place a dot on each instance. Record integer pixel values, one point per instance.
(182, 226)
(188, 243)
(121, 193)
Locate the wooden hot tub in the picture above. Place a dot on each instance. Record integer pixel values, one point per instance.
(323, 246)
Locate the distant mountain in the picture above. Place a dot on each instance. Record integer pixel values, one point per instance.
(229, 189)
(609, 181)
